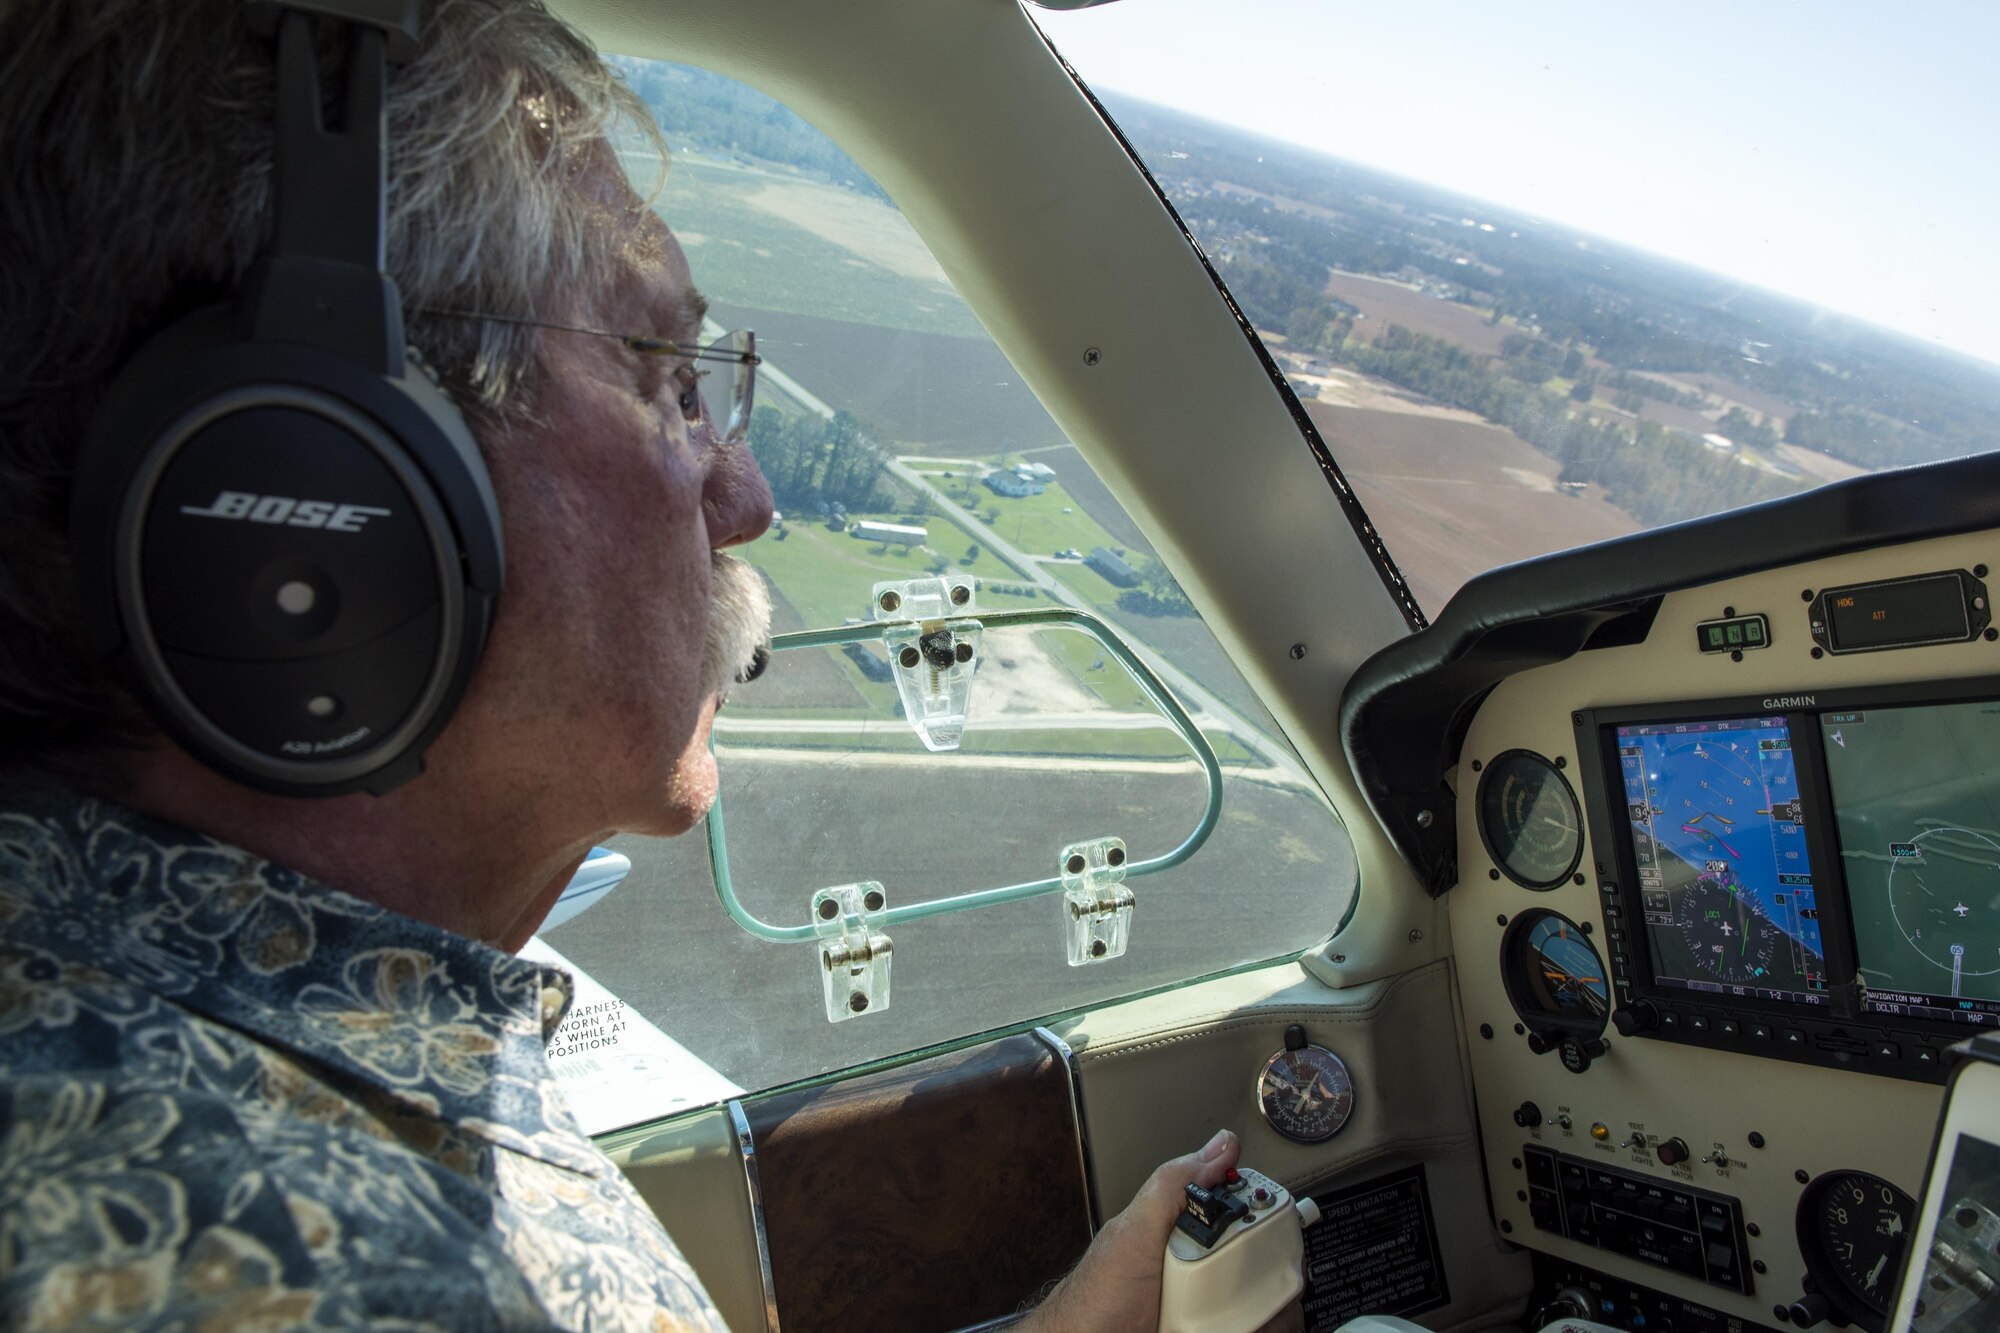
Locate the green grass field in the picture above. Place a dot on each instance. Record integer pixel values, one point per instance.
(1039, 525)
(1112, 683)
(744, 255)
(827, 576)
(1090, 585)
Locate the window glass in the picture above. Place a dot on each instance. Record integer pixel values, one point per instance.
(899, 442)
(1545, 277)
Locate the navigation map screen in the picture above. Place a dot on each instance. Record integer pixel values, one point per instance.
(1719, 838)
(1916, 801)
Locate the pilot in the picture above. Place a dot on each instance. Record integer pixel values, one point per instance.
(270, 1060)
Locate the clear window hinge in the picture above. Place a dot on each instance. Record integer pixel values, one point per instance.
(932, 653)
(1097, 907)
(854, 956)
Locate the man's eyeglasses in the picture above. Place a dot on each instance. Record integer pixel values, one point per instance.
(738, 349)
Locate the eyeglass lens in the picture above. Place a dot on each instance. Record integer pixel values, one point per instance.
(741, 384)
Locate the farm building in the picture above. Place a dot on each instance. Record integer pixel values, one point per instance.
(900, 534)
(1112, 566)
(1012, 486)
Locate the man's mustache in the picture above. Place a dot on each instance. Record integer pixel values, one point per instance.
(739, 625)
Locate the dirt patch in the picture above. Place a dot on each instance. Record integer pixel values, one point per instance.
(1387, 303)
(1017, 678)
(866, 227)
(1533, 480)
(1453, 499)
(1815, 464)
(1348, 388)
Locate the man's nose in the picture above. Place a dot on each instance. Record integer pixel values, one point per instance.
(738, 499)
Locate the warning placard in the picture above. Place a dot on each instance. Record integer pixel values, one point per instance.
(1374, 1250)
(615, 1068)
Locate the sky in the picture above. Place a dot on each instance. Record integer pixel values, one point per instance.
(1838, 152)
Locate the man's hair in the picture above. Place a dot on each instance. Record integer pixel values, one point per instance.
(137, 140)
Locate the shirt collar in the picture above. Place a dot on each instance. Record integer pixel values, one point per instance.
(447, 1027)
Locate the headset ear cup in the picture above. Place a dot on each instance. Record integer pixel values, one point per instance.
(298, 558)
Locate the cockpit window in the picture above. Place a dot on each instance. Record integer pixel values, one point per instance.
(901, 444)
(1543, 279)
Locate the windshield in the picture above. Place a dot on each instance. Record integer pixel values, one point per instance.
(1546, 277)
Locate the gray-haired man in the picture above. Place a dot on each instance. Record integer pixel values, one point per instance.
(271, 1061)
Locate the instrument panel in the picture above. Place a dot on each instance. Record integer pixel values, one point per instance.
(1818, 882)
(1707, 928)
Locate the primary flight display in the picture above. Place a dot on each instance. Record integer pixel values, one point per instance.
(1724, 874)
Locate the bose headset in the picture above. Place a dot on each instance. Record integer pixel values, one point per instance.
(280, 522)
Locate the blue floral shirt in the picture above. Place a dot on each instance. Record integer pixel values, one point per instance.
(231, 1097)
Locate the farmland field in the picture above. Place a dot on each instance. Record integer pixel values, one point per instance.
(924, 392)
(1387, 303)
(746, 233)
(1455, 498)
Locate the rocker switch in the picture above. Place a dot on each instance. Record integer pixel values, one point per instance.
(1208, 1213)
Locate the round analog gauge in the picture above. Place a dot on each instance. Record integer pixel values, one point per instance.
(1306, 1094)
(1529, 820)
(1554, 977)
(1852, 1229)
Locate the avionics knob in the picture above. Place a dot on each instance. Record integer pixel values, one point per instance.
(1672, 1152)
(1569, 1303)
(1578, 1053)
(1632, 1019)
(1809, 1309)
(1528, 1115)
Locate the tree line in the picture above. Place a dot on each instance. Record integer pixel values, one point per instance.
(1655, 474)
(810, 460)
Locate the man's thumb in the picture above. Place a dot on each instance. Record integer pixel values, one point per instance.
(1165, 1191)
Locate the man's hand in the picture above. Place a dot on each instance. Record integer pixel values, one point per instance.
(1115, 1288)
